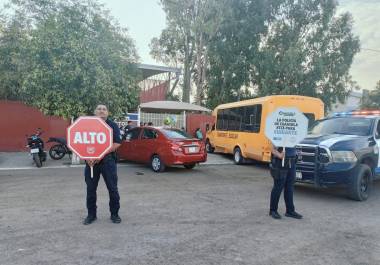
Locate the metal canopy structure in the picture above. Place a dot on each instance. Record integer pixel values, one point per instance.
(171, 106)
(149, 70)
(157, 82)
(157, 111)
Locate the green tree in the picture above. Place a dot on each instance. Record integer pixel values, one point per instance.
(282, 47)
(234, 48)
(13, 67)
(372, 99)
(183, 43)
(76, 56)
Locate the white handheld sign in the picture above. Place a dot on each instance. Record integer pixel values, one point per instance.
(286, 127)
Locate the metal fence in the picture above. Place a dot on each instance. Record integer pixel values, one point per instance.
(158, 119)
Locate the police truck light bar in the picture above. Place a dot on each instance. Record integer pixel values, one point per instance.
(358, 113)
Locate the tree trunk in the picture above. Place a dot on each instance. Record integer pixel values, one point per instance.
(186, 81)
(199, 82)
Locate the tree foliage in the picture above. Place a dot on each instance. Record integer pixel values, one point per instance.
(250, 48)
(299, 47)
(372, 99)
(183, 42)
(64, 57)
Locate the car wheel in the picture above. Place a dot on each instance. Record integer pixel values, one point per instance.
(189, 166)
(209, 147)
(157, 164)
(361, 183)
(238, 157)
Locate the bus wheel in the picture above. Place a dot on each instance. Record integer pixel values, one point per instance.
(209, 147)
(238, 158)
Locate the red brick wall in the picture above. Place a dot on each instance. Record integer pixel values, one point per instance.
(18, 119)
(194, 121)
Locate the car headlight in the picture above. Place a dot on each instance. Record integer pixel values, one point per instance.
(343, 156)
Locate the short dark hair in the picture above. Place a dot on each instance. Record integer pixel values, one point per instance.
(101, 104)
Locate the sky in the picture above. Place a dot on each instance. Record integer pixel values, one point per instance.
(145, 19)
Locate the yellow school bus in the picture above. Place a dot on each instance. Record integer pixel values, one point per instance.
(239, 127)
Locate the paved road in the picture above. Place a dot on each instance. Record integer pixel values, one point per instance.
(23, 160)
(209, 215)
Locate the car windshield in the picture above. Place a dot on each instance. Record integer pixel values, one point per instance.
(176, 134)
(343, 125)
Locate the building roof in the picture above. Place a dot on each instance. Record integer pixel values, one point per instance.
(162, 106)
(149, 70)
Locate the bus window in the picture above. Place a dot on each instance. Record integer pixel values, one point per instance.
(230, 119)
(219, 121)
(252, 118)
(234, 119)
(225, 120)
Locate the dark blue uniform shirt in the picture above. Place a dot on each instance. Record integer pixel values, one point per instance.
(116, 131)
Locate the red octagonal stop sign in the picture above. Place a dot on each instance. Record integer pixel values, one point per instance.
(89, 137)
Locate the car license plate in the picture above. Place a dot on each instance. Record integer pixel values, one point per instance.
(192, 149)
(298, 175)
(34, 150)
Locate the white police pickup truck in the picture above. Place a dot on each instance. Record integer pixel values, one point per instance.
(342, 151)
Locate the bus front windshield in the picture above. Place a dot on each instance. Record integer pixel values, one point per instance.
(343, 125)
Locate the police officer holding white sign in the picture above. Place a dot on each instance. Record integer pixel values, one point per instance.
(285, 127)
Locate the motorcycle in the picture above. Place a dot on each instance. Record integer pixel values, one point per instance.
(36, 145)
(59, 150)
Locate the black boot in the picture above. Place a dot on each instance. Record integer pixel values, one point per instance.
(275, 214)
(115, 218)
(89, 219)
(293, 215)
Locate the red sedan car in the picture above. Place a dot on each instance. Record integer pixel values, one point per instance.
(162, 147)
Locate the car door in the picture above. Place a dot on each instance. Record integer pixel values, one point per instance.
(147, 144)
(127, 150)
(377, 139)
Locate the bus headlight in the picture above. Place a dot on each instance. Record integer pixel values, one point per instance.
(343, 156)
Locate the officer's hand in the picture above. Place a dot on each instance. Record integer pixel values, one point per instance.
(281, 155)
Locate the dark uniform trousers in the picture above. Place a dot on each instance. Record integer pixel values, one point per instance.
(106, 167)
(283, 178)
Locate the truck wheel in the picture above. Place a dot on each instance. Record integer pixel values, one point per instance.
(209, 147)
(238, 157)
(157, 164)
(361, 183)
(37, 160)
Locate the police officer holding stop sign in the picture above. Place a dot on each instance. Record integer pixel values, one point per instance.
(106, 167)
